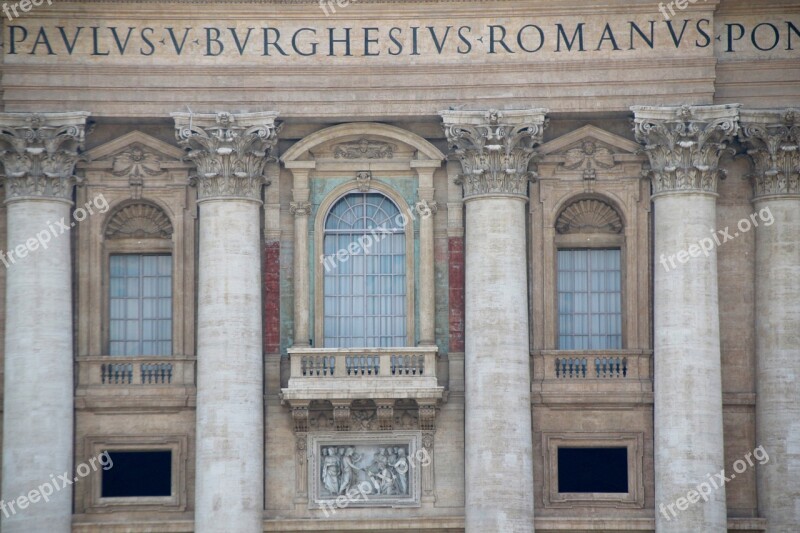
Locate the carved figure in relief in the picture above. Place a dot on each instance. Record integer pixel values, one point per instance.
(349, 469)
(401, 467)
(331, 471)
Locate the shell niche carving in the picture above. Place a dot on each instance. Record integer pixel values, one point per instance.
(139, 221)
(589, 216)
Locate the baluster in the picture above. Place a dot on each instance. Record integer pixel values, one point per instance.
(583, 367)
(624, 367)
(421, 364)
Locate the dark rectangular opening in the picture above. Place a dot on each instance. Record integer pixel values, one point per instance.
(593, 470)
(137, 474)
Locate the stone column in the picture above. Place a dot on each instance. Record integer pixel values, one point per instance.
(427, 276)
(230, 152)
(773, 140)
(39, 156)
(684, 145)
(301, 209)
(494, 149)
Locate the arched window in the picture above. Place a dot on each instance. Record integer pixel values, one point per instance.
(138, 237)
(364, 263)
(589, 276)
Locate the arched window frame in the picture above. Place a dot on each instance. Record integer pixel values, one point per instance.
(137, 246)
(319, 270)
(588, 240)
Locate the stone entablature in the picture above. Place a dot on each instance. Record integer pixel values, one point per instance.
(229, 150)
(772, 138)
(494, 148)
(40, 152)
(685, 143)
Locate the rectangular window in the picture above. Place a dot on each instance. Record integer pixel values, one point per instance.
(140, 305)
(592, 470)
(589, 300)
(137, 474)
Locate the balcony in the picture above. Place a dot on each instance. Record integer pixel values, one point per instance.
(135, 382)
(598, 376)
(342, 374)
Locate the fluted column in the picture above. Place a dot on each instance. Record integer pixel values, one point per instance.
(494, 149)
(39, 156)
(773, 141)
(427, 276)
(230, 152)
(684, 145)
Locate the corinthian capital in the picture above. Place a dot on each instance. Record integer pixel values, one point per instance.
(494, 148)
(39, 152)
(230, 151)
(772, 138)
(685, 143)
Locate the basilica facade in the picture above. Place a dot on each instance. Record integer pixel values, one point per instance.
(376, 265)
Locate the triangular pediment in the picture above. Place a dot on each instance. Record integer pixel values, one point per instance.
(135, 139)
(589, 133)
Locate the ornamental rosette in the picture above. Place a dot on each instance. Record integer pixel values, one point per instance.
(495, 149)
(772, 138)
(230, 151)
(39, 153)
(685, 143)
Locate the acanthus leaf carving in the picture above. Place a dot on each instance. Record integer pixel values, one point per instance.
(684, 144)
(39, 153)
(772, 138)
(230, 151)
(494, 148)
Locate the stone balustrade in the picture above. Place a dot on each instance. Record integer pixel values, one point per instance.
(104, 371)
(358, 373)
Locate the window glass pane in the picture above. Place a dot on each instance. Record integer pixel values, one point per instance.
(589, 299)
(140, 304)
(360, 288)
(137, 474)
